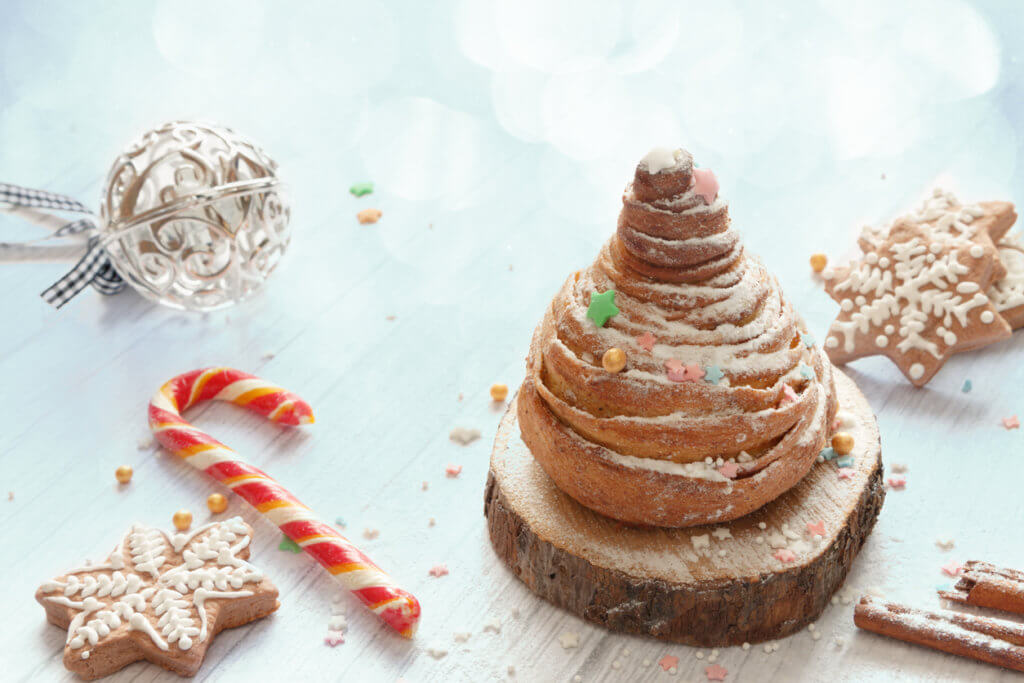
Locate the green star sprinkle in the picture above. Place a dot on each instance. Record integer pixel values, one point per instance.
(602, 306)
(713, 374)
(289, 545)
(828, 453)
(808, 339)
(806, 371)
(360, 189)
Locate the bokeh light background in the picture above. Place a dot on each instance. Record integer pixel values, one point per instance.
(805, 104)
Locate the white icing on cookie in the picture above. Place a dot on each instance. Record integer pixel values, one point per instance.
(209, 568)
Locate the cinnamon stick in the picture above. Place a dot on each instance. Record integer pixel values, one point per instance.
(985, 585)
(987, 640)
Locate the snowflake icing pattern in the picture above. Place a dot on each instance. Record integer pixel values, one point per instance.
(158, 585)
(917, 296)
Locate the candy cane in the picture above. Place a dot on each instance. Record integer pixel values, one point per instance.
(399, 609)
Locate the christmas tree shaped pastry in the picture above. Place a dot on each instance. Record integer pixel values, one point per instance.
(671, 383)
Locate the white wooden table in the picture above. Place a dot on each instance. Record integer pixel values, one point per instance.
(499, 138)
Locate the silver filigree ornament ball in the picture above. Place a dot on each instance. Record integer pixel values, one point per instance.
(194, 216)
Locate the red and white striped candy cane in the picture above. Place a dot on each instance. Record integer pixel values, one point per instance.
(399, 609)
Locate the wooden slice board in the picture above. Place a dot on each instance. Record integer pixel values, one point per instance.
(664, 582)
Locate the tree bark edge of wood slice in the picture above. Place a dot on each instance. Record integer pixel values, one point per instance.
(656, 582)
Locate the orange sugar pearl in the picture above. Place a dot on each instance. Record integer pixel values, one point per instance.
(217, 503)
(614, 360)
(182, 520)
(123, 474)
(842, 443)
(818, 262)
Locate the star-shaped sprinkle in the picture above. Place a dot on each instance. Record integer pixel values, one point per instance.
(602, 307)
(668, 662)
(816, 528)
(569, 640)
(952, 569)
(464, 436)
(721, 533)
(646, 341)
(807, 338)
(367, 216)
(678, 372)
(945, 543)
(713, 374)
(438, 570)
(828, 453)
(334, 638)
(897, 483)
(784, 555)
(705, 184)
(716, 672)
(806, 371)
(156, 597)
(966, 388)
(729, 470)
(340, 521)
(845, 461)
(361, 189)
(452, 471)
(917, 296)
(1011, 422)
(845, 474)
(288, 545)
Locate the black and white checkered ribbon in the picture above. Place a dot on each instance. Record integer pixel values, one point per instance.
(94, 268)
(38, 199)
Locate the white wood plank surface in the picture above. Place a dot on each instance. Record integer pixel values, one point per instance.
(498, 174)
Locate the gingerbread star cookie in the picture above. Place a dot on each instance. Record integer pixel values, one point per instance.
(1007, 293)
(983, 222)
(158, 597)
(917, 297)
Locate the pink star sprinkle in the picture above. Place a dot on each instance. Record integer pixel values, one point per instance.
(788, 395)
(646, 341)
(334, 638)
(694, 372)
(677, 372)
(784, 555)
(836, 423)
(729, 470)
(453, 470)
(816, 528)
(898, 483)
(715, 672)
(952, 569)
(705, 184)
(438, 570)
(1011, 422)
(669, 662)
(845, 472)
